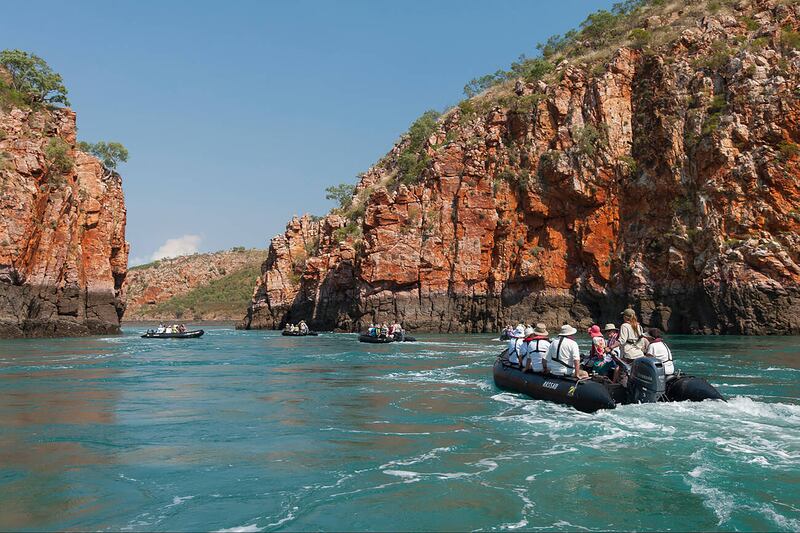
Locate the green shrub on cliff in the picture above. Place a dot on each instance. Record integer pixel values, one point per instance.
(413, 159)
(342, 194)
(29, 80)
(59, 161)
(109, 153)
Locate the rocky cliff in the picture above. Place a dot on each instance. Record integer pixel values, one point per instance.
(63, 255)
(662, 172)
(210, 286)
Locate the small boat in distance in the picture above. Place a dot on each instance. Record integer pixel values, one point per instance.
(152, 334)
(385, 340)
(287, 333)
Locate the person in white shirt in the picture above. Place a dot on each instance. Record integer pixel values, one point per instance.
(537, 345)
(514, 345)
(660, 350)
(161, 328)
(564, 356)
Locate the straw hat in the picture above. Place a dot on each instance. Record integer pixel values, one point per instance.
(628, 313)
(567, 330)
(540, 329)
(610, 327)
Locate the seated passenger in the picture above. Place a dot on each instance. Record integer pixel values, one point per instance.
(303, 327)
(660, 350)
(161, 328)
(384, 330)
(612, 339)
(537, 343)
(564, 356)
(600, 361)
(515, 341)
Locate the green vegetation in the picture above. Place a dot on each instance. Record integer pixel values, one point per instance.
(29, 81)
(342, 194)
(590, 139)
(640, 37)
(352, 231)
(226, 296)
(151, 264)
(109, 153)
(413, 159)
(788, 150)
(59, 162)
(716, 108)
(790, 39)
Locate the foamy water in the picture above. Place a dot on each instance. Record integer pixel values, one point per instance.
(250, 431)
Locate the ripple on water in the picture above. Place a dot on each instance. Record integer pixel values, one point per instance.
(251, 432)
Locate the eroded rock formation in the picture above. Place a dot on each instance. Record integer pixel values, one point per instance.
(668, 180)
(63, 255)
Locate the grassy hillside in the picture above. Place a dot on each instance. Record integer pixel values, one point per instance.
(224, 297)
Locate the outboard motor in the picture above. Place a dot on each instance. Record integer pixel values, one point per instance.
(647, 381)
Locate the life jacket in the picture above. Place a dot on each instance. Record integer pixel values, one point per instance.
(556, 357)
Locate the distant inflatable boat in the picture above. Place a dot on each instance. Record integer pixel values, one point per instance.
(299, 334)
(385, 340)
(185, 335)
(646, 384)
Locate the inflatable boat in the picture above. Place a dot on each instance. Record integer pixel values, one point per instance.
(385, 340)
(151, 334)
(299, 334)
(647, 383)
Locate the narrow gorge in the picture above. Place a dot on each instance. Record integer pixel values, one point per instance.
(660, 170)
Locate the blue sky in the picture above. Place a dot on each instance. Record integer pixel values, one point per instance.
(238, 114)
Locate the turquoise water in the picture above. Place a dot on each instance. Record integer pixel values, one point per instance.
(251, 431)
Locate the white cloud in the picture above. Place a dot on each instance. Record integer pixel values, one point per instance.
(186, 245)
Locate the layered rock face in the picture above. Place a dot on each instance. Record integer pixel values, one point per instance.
(149, 285)
(63, 255)
(668, 180)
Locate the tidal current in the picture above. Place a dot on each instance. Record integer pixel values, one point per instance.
(251, 431)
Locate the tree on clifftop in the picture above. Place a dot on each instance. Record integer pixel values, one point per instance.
(342, 194)
(31, 78)
(109, 153)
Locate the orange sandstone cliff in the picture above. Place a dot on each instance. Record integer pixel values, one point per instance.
(63, 255)
(665, 177)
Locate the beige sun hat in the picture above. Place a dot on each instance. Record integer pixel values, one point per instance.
(610, 327)
(540, 329)
(567, 330)
(628, 313)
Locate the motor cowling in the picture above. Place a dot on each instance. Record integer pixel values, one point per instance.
(647, 382)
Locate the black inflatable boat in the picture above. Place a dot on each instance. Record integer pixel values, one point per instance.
(647, 384)
(185, 335)
(299, 334)
(385, 340)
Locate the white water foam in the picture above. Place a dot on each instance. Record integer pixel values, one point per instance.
(250, 528)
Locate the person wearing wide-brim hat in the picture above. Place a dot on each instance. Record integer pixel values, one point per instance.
(564, 356)
(515, 341)
(537, 344)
